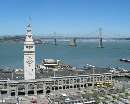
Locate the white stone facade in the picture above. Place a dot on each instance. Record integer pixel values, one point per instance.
(29, 55)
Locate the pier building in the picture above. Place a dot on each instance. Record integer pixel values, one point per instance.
(53, 84)
(50, 63)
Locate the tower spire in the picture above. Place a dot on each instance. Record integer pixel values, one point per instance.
(29, 31)
(30, 20)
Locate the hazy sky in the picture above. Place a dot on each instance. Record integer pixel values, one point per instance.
(66, 16)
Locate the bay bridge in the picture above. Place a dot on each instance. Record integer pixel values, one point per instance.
(73, 39)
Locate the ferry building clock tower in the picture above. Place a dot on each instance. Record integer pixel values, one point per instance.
(29, 55)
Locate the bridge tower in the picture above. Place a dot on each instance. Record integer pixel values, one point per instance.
(55, 42)
(100, 44)
(72, 42)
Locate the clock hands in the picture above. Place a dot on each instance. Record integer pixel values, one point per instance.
(29, 60)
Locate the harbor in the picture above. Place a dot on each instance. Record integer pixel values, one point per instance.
(64, 52)
(84, 53)
(52, 81)
(65, 70)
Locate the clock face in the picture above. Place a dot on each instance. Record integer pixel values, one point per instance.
(29, 61)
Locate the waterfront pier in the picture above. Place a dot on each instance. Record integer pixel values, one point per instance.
(52, 84)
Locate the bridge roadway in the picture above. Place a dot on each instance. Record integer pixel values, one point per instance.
(68, 38)
(46, 85)
(79, 38)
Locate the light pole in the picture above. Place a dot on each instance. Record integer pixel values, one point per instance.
(93, 68)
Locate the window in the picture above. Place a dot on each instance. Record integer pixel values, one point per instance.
(29, 47)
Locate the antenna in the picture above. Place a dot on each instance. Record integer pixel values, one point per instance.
(29, 27)
(30, 19)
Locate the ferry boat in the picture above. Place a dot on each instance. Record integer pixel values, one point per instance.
(124, 60)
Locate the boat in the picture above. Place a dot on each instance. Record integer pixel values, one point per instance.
(124, 60)
(127, 60)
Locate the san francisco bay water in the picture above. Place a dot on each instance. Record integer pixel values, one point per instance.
(11, 54)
